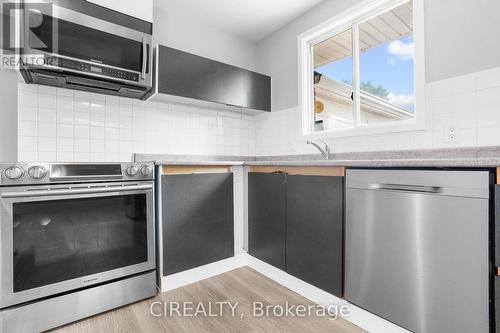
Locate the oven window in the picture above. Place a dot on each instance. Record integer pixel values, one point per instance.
(85, 43)
(60, 240)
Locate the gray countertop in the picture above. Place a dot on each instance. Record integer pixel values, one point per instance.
(447, 157)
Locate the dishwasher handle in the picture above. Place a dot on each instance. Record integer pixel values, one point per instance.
(407, 188)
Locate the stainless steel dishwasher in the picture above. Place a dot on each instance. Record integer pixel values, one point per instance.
(417, 248)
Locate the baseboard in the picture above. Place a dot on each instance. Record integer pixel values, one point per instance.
(359, 317)
(184, 278)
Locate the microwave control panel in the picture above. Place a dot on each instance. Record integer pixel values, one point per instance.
(81, 66)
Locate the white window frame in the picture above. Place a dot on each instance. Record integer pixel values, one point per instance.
(351, 18)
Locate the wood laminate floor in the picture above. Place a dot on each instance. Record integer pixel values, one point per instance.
(243, 285)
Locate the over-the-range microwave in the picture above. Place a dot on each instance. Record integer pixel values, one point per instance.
(79, 45)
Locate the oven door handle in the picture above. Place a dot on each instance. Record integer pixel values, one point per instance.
(69, 191)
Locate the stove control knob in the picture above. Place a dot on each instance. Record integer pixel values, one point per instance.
(37, 172)
(14, 172)
(132, 170)
(146, 170)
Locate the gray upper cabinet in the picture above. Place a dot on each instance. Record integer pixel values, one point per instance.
(187, 75)
(183, 74)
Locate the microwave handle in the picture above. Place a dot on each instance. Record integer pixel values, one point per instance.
(145, 56)
(52, 192)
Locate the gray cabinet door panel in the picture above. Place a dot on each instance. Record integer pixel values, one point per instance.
(247, 89)
(198, 221)
(188, 75)
(314, 232)
(266, 218)
(497, 225)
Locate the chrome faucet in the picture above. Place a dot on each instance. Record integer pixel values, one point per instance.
(324, 151)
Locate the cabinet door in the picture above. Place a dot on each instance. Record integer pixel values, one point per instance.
(497, 225)
(188, 75)
(246, 89)
(314, 234)
(141, 9)
(198, 222)
(266, 217)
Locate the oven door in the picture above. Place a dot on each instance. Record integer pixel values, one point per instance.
(57, 239)
(67, 34)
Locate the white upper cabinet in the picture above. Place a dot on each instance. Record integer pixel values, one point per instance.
(142, 9)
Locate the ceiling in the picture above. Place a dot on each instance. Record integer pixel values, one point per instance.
(251, 20)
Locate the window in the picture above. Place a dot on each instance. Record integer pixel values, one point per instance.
(362, 71)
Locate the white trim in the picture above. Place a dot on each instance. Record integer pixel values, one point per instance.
(339, 23)
(189, 276)
(359, 317)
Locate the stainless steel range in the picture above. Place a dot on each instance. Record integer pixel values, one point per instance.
(75, 240)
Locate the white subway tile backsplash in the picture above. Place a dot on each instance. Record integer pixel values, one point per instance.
(46, 101)
(97, 132)
(96, 146)
(65, 116)
(28, 98)
(65, 131)
(112, 133)
(464, 84)
(112, 146)
(488, 79)
(65, 125)
(27, 113)
(488, 98)
(47, 129)
(27, 128)
(82, 105)
(82, 132)
(81, 157)
(126, 122)
(82, 118)
(46, 90)
(64, 156)
(47, 115)
(97, 157)
(442, 88)
(82, 146)
(48, 156)
(65, 92)
(65, 144)
(64, 102)
(28, 143)
(47, 144)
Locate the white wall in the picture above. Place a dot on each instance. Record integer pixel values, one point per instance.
(66, 125)
(183, 33)
(468, 102)
(460, 38)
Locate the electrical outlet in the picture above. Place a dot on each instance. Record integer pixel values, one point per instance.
(452, 134)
